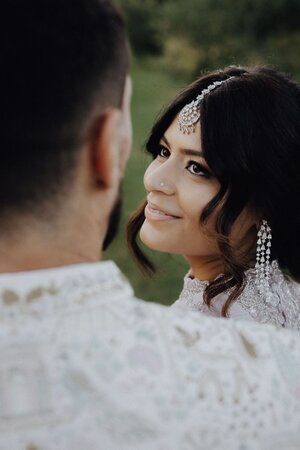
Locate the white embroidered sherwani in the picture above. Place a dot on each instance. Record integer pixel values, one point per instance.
(84, 366)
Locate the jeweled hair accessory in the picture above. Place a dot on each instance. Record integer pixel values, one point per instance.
(190, 114)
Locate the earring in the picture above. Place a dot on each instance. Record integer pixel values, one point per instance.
(162, 184)
(263, 256)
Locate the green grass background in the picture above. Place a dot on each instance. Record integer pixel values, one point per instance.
(152, 89)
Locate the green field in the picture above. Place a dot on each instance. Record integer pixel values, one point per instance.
(152, 89)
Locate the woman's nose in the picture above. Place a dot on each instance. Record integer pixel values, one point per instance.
(159, 179)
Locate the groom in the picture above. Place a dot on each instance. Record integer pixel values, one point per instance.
(83, 364)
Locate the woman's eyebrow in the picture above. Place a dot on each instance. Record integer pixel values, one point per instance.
(185, 151)
(191, 152)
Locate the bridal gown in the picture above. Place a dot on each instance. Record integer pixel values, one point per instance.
(281, 308)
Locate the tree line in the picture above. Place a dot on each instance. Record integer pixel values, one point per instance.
(195, 35)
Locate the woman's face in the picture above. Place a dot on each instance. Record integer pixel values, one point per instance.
(179, 185)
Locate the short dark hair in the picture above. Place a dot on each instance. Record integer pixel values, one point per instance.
(250, 131)
(59, 60)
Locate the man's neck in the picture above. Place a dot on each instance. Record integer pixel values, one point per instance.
(32, 248)
(24, 261)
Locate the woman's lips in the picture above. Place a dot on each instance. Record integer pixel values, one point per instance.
(152, 212)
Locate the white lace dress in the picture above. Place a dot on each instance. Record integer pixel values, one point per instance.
(281, 308)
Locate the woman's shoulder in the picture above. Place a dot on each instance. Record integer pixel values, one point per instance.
(192, 298)
(279, 305)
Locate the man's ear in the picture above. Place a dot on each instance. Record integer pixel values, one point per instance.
(104, 146)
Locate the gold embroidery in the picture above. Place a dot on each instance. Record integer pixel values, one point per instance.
(249, 347)
(35, 294)
(52, 290)
(188, 338)
(9, 297)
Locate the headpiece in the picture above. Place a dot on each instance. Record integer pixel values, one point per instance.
(190, 113)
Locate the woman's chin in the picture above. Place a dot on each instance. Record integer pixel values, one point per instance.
(153, 240)
(150, 243)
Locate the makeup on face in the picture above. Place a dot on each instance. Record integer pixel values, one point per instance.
(179, 185)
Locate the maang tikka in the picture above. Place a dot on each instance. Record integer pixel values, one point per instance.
(190, 113)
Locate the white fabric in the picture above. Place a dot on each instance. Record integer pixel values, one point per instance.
(280, 308)
(85, 366)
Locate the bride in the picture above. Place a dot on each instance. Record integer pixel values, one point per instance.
(224, 192)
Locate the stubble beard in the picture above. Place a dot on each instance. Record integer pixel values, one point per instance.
(114, 221)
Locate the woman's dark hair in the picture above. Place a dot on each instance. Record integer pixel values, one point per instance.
(250, 137)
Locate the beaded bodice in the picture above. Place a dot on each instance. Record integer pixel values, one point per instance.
(280, 306)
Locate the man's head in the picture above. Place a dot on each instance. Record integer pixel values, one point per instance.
(64, 104)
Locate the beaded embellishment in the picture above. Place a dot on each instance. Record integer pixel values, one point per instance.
(263, 255)
(190, 113)
(281, 306)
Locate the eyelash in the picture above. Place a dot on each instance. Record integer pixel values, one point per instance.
(199, 166)
(161, 149)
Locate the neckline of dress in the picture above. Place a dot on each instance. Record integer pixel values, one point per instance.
(199, 285)
(57, 290)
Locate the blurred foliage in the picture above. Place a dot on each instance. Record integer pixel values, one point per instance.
(197, 35)
(142, 22)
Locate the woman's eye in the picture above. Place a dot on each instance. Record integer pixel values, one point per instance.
(197, 169)
(163, 152)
